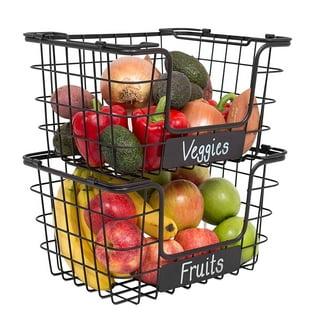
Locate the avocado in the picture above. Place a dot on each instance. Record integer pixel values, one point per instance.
(196, 92)
(121, 149)
(180, 92)
(190, 66)
(63, 141)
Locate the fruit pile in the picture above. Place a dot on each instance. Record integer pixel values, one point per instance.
(105, 235)
(116, 235)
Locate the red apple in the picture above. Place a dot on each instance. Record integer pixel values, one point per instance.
(221, 200)
(183, 202)
(107, 206)
(151, 258)
(193, 238)
(118, 246)
(196, 174)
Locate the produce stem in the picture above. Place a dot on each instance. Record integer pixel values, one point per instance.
(158, 116)
(96, 104)
(226, 98)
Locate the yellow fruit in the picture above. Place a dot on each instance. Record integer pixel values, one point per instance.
(85, 194)
(77, 251)
(149, 222)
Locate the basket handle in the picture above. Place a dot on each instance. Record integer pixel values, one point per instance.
(126, 47)
(45, 35)
(70, 41)
(206, 35)
(185, 31)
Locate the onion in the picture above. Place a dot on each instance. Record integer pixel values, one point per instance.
(156, 71)
(237, 112)
(200, 113)
(128, 90)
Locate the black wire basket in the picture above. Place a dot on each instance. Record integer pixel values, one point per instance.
(91, 162)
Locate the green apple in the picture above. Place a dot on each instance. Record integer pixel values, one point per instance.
(230, 228)
(221, 199)
(163, 177)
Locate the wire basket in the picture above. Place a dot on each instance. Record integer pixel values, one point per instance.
(79, 165)
(234, 64)
(250, 176)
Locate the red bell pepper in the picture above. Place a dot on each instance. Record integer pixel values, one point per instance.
(224, 104)
(88, 125)
(212, 102)
(149, 127)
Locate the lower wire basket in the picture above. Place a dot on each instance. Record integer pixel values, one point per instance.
(72, 251)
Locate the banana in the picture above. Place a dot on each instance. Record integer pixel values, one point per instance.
(149, 222)
(77, 251)
(84, 195)
(150, 225)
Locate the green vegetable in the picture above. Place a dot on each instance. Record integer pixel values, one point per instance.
(180, 89)
(63, 141)
(196, 92)
(190, 66)
(121, 149)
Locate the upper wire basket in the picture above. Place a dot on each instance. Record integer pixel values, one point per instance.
(234, 64)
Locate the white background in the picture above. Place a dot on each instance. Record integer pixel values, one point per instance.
(285, 282)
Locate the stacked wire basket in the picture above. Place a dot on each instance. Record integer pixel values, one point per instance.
(234, 64)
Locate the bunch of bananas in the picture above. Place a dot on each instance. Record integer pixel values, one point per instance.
(76, 240)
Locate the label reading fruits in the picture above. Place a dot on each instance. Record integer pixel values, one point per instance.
(204, 148)
(199, 268)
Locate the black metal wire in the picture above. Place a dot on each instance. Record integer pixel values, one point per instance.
(82, 58)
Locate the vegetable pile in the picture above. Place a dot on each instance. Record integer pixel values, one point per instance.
(135, 95)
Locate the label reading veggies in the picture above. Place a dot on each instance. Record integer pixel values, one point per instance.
(203, 148)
